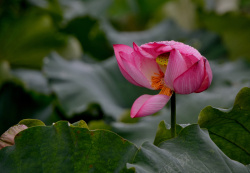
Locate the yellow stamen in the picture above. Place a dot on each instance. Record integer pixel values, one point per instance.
(162, 59)
(166, 91)
(158, 84)
(157, 81)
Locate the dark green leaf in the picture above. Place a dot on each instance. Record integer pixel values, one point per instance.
(230, 129)
(64, 148)
(191, 152)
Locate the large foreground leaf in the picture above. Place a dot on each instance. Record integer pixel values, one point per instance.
(230, 129)
(191, 152)
(66, 148)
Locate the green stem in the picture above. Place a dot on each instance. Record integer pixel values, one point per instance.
(173, 115)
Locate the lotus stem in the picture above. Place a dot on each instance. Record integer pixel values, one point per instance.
(173, 115)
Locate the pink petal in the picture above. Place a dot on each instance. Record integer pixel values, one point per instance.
(163, 49)
(186, 49)
(131, 68)
(149, 68)
(148, 104)
(208, 77)
(191, 79)
(142, 52)
(147, 65)
(176, 66)
(208, 71)
(126, 49)
(168, 46)
(190, 60)
(155, 48)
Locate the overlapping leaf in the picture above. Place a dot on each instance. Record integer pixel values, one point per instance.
(230, 129)
(191, 152)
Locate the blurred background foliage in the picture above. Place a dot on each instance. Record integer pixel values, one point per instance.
(57, 60)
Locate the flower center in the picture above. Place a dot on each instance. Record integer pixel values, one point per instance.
(162, 59)
(158, 80)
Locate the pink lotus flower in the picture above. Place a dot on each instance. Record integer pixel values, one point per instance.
(168, 66)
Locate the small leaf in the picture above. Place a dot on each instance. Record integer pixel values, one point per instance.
(31, 122)
(164, 132)
(81, 124)
(230, 129)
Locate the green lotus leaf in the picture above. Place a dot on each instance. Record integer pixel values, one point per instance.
(192, 151)
(230, 128)
(65, 148)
